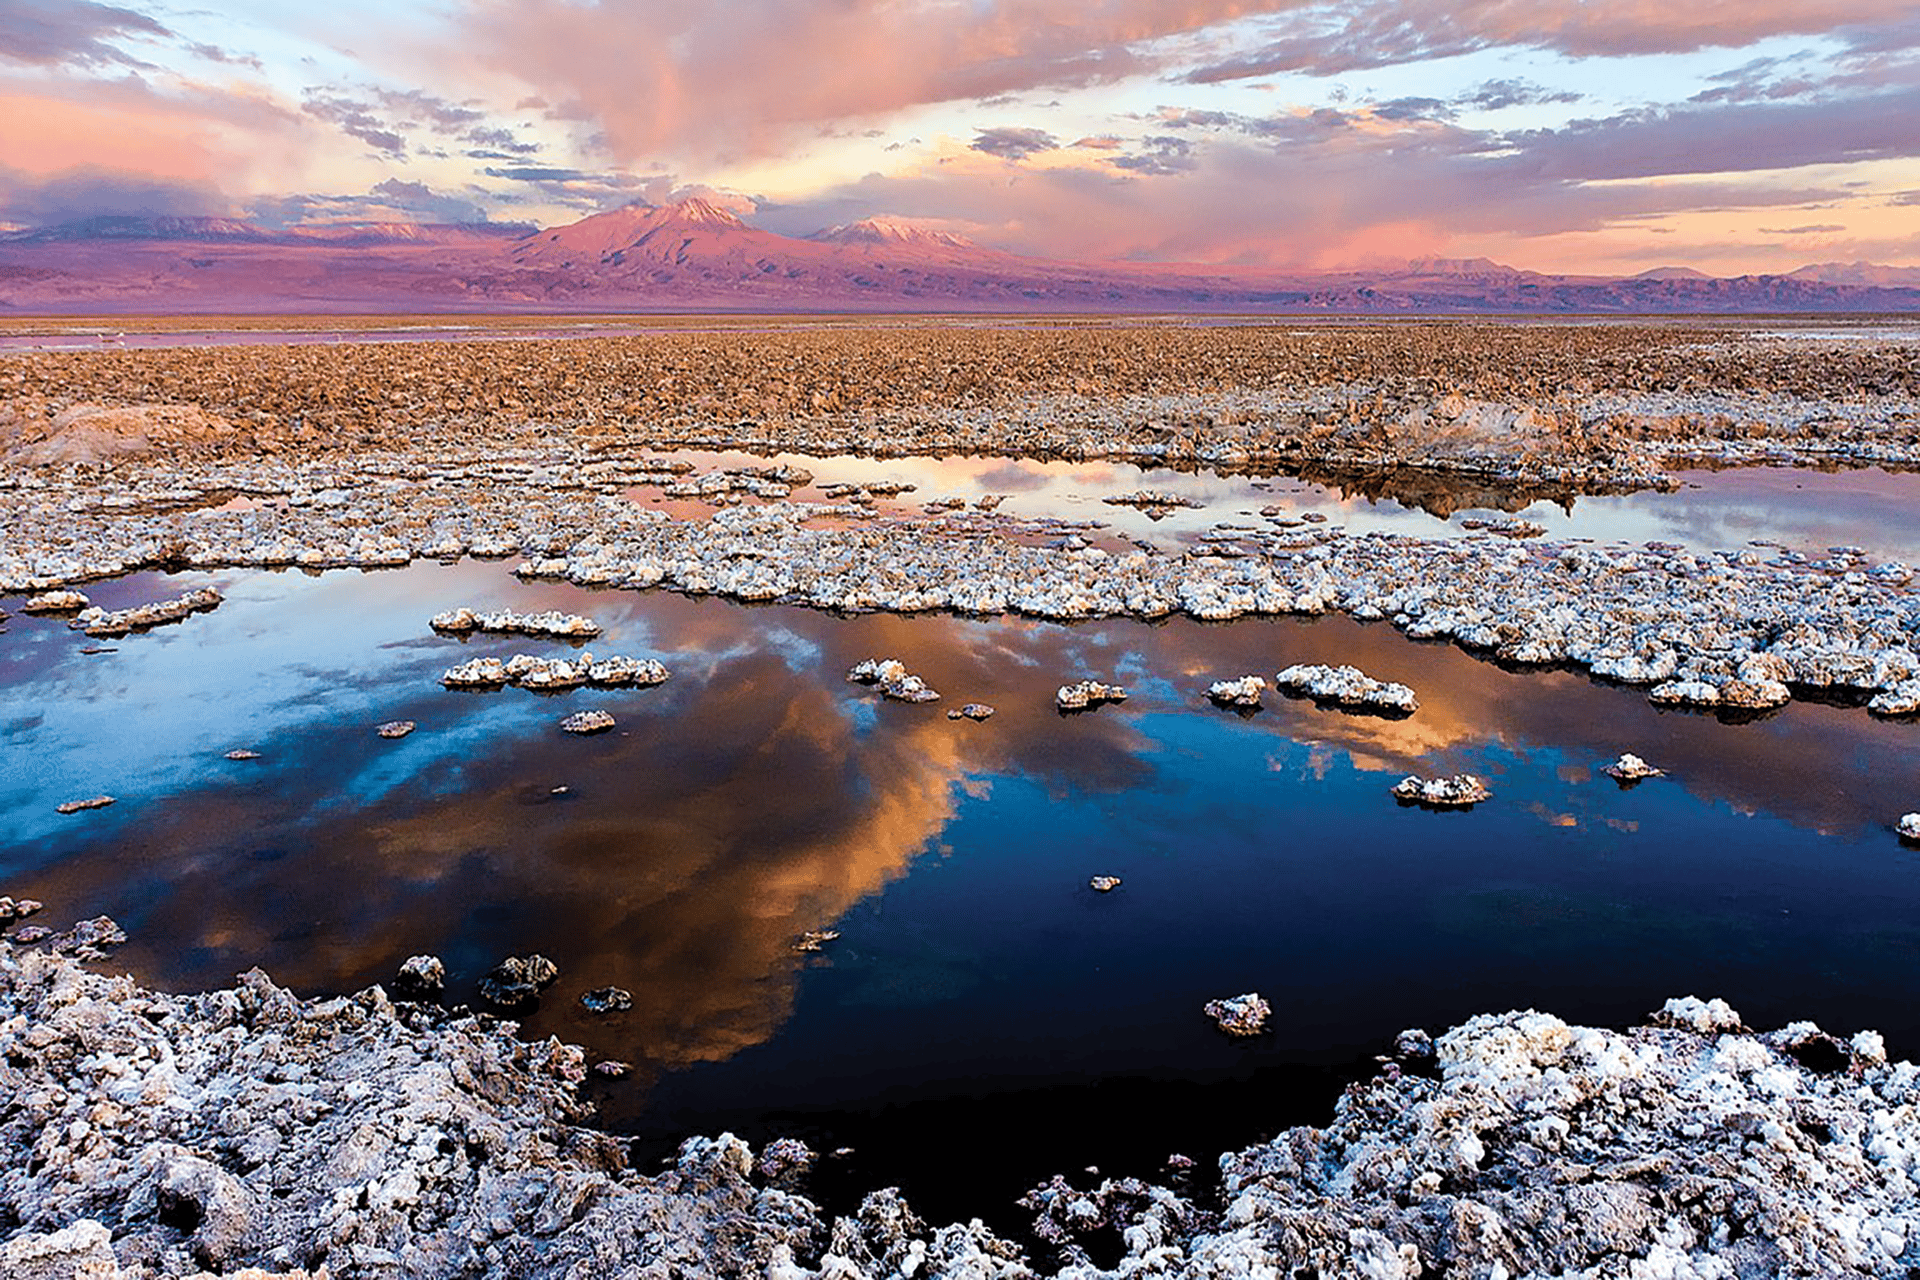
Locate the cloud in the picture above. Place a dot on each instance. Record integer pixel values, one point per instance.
(1313, 188)
(442, 115)
(1159, 154)
(1721, 137)
(190, 132)
(390, 200)
(1329, 39)
(382, 117)
(712, 79)
(356, 120)
(501, 140)
(91, 192)
(214, 53)
(1814, 228)
(426, 204)
(586, 190)
(71, 32)
(548, 173)
(1012, 143)
(1494, 95)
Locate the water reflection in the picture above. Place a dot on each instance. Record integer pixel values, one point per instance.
(757, 795)
(1804, 509)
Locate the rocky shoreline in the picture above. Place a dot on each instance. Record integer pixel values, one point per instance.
(173, 1135)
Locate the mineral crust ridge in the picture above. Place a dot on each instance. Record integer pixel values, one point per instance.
(1243, 692)
(167, 1136)
(1083, 694)
(1244, 1015)
(1461, 791)
(1631, 768)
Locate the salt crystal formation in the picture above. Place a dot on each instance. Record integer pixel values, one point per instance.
(783, 1158)
(1655, 616)
(566, 626)
(420, 977)
(972, 711)
(1506, 527)
(1156, 505)
(1902, 699)
(909, 688)
(1523, 1146)
(1909, 826)
(1631, 768)
(587, 722)
(395, 728)
(894, 680)
(1087, 693)
(1104, 884)
(1458, 792)
(731, 484)
(1243, 692)
(78, 806)
(1758, 684)
(96, 621)
(56, 602)
(1244, 1015)
(516, 981)
(607, 1000)
(242, 753)
(550, 674)
(815, 940)
(1347, 687)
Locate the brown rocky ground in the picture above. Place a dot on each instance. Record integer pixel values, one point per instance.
(1586, 402)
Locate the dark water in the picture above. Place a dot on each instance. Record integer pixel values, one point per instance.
(985, 1019)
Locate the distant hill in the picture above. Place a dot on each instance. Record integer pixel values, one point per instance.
(894, 233)
(1862, 273)
(697, 255)
(118, 227)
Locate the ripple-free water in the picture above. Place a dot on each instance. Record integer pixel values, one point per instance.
(1723, 510)
(982, 1002)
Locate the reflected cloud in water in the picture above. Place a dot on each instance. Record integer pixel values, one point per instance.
(757, 795)
(1805, 509)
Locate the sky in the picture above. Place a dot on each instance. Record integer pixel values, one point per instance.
(1558, 135)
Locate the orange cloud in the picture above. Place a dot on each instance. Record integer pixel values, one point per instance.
(43, 135)
(185, 133)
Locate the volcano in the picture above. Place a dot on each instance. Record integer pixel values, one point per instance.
(698, 255)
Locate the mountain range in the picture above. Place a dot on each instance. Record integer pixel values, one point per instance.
(695, 255)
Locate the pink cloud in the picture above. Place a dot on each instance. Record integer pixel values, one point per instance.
(697, 77)
(724, 79)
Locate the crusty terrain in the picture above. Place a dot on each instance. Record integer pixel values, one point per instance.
(377, 454)
(1569, 403)
(164, 1135)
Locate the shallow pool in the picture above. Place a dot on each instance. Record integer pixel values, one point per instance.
(981, 997)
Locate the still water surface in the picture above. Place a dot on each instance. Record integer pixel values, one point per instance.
(1726, 510)
(982, 997)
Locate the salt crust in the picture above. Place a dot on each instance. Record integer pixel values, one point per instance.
(168, 1135)
(1729, 630)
